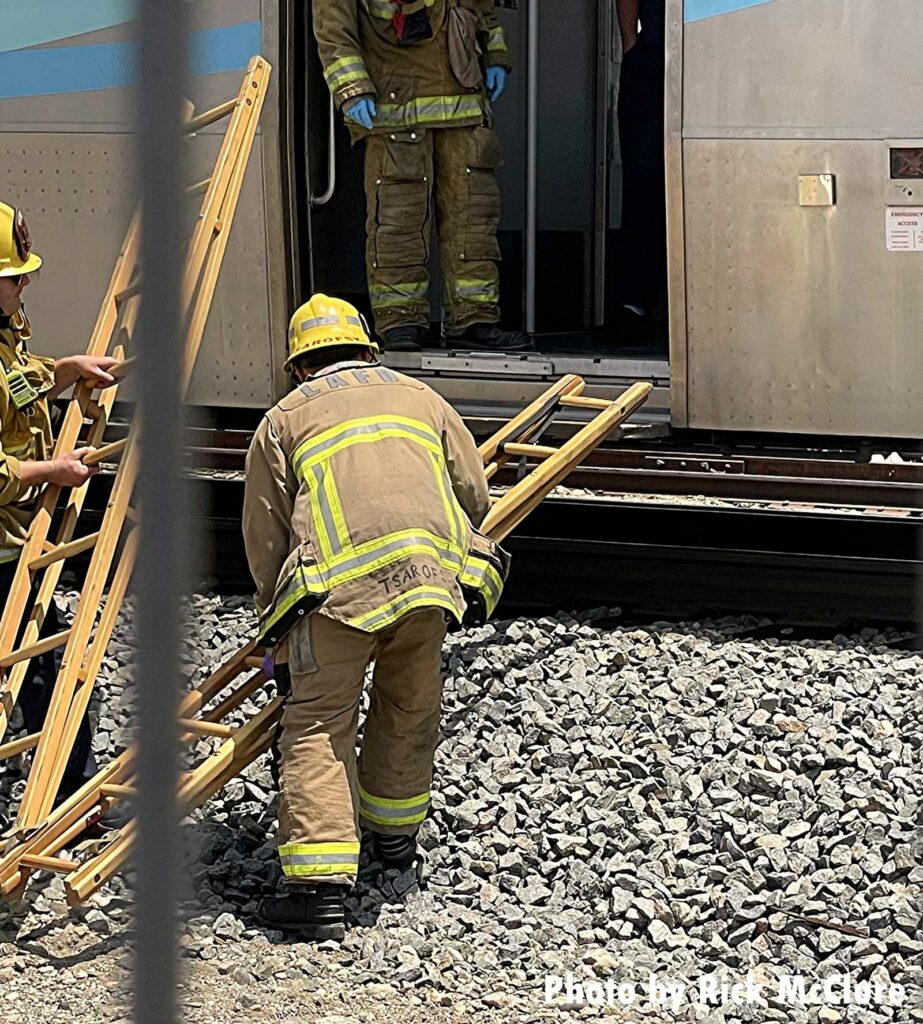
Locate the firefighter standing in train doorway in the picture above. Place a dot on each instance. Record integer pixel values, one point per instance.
(415, 79)
(28, 383)
(364, 491)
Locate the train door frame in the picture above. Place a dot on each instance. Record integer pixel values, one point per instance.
(676, 203)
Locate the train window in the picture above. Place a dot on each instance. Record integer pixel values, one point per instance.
(906, 163)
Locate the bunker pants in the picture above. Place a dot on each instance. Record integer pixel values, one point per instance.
(325, 794)
(407, 173)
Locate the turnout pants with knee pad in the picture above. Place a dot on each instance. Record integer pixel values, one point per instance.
(325, 793)
(408, 174)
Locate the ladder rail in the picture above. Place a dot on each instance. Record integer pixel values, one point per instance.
(205, 256)
(242, 744)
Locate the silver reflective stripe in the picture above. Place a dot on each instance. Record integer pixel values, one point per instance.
(381, 811)
(322, 499)
(384, 296)
(303, 455)
(439, 109)
(319, 321)
(451, 500)
(380, 8)
(481, 576)
(300, 583)
(348, 69)
(495, 40)
(319, 858)
(399, 604)
(354, 320)
(442, 550)
(486, 291)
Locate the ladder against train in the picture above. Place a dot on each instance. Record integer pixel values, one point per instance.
(204, 709)
(42, 559)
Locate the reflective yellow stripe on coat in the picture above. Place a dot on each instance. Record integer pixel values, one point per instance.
(339, 559)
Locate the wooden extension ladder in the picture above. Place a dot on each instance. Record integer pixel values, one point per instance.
(39, 847)
(41, 561)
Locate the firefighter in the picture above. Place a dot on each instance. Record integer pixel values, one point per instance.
(27, 384)
(363, 493)
(416, 80)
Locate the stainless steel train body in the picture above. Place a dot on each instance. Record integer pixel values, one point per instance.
(794, 147)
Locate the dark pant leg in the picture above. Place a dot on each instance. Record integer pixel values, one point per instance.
(641, 127)
(398, 189)
(468, 216)
(36, 692)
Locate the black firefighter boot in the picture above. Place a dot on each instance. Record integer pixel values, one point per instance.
(311, 911)
(406, 338)
(490, 338)
(394, 851)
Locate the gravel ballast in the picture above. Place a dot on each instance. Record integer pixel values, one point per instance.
(611, 800)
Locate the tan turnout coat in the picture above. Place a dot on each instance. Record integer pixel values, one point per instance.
(362, 494)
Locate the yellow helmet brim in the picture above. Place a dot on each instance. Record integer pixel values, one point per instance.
(331, 342)
(13, 268)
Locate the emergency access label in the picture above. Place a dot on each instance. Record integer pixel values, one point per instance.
(904, 230)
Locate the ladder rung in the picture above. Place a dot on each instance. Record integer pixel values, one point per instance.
(121, 369)
(58, 551)
(128, 293)
(537, 451)
(106, 452)
(15, 747)
(198, 188)
(132, 516)
(93, 410)
(194, 124)
(49, 643)
(115, 791)
(195, 725)
(581, 402)
(252, 661)
(37, 862)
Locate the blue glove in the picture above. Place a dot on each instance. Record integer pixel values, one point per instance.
(268, 666)
(362, 111)
(496, 83)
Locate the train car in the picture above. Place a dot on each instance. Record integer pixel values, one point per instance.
(794, 204)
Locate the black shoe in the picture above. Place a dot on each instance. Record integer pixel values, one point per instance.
(313, 911)
(408, 338)
(394, 851)
(491, 338)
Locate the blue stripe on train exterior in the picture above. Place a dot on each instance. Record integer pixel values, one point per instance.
(70, 69)
(698, 10)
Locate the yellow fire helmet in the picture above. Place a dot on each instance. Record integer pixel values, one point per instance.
(16, 255)
(323, 322)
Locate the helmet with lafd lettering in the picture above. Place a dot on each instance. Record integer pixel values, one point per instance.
(16, 255)
(323, 322)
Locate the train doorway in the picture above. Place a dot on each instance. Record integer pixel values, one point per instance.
(586, 281)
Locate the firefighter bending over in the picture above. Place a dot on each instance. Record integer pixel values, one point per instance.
(416, 80)
(363, 491)
(27, 384)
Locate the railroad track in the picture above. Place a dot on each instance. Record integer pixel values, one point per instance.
(814, 533)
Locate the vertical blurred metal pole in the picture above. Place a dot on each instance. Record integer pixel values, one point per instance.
(158, 582)
(531, 163)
